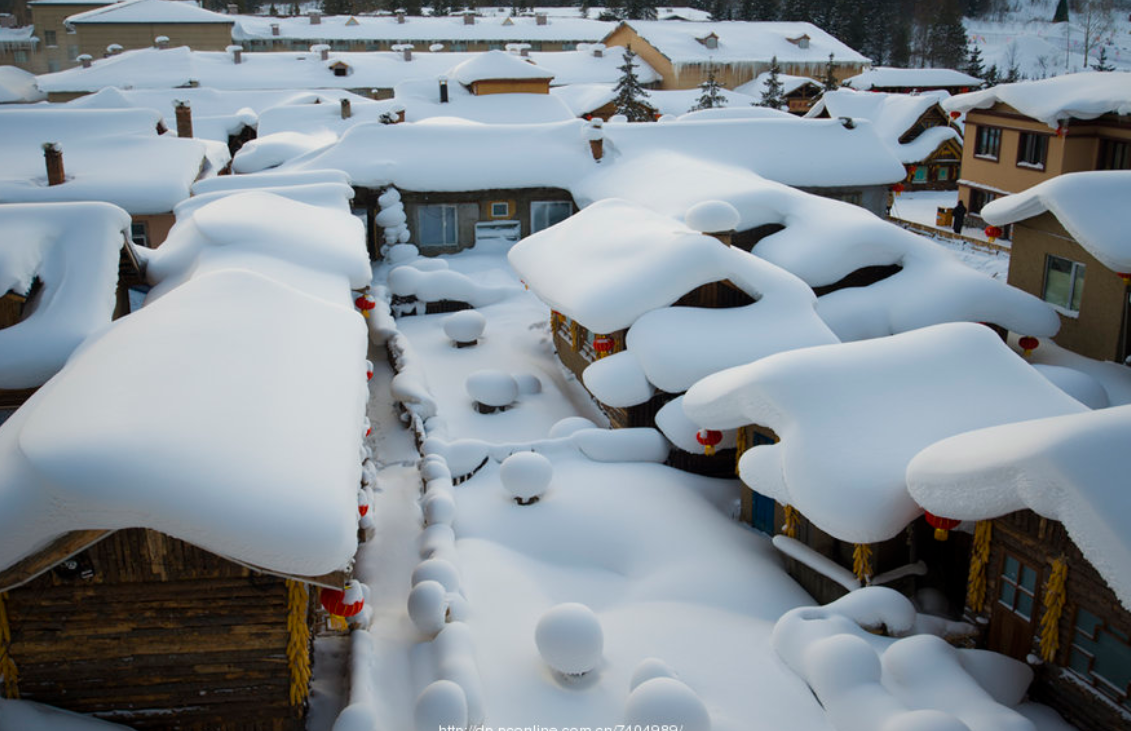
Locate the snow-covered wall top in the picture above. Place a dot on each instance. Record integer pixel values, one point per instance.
(496, 65)
(72, 249)
(423, 29)
(1085, 95)
(1092, 207)
(1066, 468)
(149, 11)
(867, 409)
(742, 42)
(885, 77)
(151, 68)
(891, 115)
(108, 155)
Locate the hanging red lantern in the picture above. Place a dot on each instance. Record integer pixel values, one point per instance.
(955, 114)
(1061, 130)
(942, 526)
(993, 232)
(1028, 344)
(898, 188)
(362, 503)
(603, 345)
(1125, 276)
(369, 370)
(911, 169)
(365, 303)
(342, 603)
(368, 427)
(708, 438)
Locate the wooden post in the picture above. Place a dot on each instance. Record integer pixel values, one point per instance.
(53, 157)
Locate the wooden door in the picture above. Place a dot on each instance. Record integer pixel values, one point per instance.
(1014, 615)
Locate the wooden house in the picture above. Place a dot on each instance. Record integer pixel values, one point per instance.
(143, 23)
(800, 92)
(889, 80)
(59, 47)
(499, 72)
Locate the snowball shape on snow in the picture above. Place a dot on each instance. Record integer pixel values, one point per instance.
(528, 384)
(357, 717)
(458, 608)
(570, 639)
(526, 475)
(439, 570)
(400, 253)
(492, 388)
(443, 704)
(569, 425)
(427, 607)
(439, 509)
(465, 327)
(666, 701)
(434, 470)
(436, 537)
(389, 198)
(391, 217)
(712, 217)
(650, 669)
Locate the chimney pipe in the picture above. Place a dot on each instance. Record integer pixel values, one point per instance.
(400, 115)
(162, 42)
(237, 54)
(524, 52)
(53, 156)
(443, 90)
(595, 133)
(346, 113)
(233, 9)
(540, 19)
(407, 50)
(85, 59)
(400, 17)
(597, 147)
(274, 29)
(315, 17)
(324, 54)
(469, 18)
(598, 50)
(184, 120)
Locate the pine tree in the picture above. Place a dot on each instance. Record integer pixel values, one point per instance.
(1061, 14)
(947, 38)
(1012, 75)
(639, 10)
(900, 52)
(1101, 63)
(710, 98)
(992, 76)
(830, 82)
(764, 10)
(974, 65)
(337, 7)
(441, 8)
(629, 93)
(772, 95)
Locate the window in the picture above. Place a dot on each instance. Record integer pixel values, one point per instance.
(979, 198)
(500, 209)
(436, 225)
(494, 46)
(19, 56)
(1114, 155)
(1018, 587)
(1032, 150)
(458, 46)
(920, 174)
(569, 46)
(987, 142)
(49, 38)
(944, 173)
(52, 65)
(1064, 283)
(1102, 656)
(72, 53)
(544, 214)
(139, 234)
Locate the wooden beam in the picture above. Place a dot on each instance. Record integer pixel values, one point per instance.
(44, 560)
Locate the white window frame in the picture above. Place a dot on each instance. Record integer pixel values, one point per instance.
(1077, 278)
(497, 205)
(447, 232)
(547, 206)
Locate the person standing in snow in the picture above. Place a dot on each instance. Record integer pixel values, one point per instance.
(959, 216)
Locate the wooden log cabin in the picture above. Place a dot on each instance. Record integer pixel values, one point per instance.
(137, 627)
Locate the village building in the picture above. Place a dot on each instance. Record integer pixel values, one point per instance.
(498, 72)
(684, 53)
(913, 81)
(183, 588)
(18, 46)
(58, 44)
(799, 92)
(146, 23)
(1070, 249)
(916, 127)
(1019, 135)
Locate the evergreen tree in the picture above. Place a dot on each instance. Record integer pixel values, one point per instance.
(640, 10)
(710, 97)
(1101, 63)
(1013, 75)
(992, 76)
(947, 44)
(629, 93)
(974, 65)
(772, 95)
(900, 50)
(830, 82)
(1061, 14)
(764, 10)
(337, 7)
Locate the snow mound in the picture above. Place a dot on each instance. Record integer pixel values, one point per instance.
(661, 701)
(526, 475)
(443, 704)
(570, 639)
(567, 426)
(427, 604)
(492, 388)
(712, 217)
(465, 327)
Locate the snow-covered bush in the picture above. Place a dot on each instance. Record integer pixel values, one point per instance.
(439, 570)
(401, 253)
(435, 470)
(392, 219)
(666, 701)
(712, 217)
(443, 704)
(465, 327)
(491, 390)
(528, 384)
(567, 426)
(570, 639)
(427, 607)
(650, 669)
(526, 475)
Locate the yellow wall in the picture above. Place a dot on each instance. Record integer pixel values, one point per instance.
(95, 37)
(511, 86)
(50, 18)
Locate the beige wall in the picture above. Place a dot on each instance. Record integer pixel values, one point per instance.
(95, 37)
(157, 225)
(1095, 331)
(511, 86)
(49, 19)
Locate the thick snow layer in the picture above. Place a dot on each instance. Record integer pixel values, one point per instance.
(526, 474)
(226, 464)
(680, 101)
(425, 29)
(1090, 206)
(1115, 378)
(322, 112)
(465, 327)
(892, 116)
(149, 11)
(492, 388)
(1065, 468)
(316, 250)
(789, 83)
(267, 180)
(321, 195)
(114, 156)
(569, 638)
(216, 115)
(666, 701)
(868, 408)
(743, 43)
(1053, 101)
(581, 99)
(271, 151)
(72, 250)
(496, 65)
(421, 99)
(18, 86)
(412, 280)
(887, 77)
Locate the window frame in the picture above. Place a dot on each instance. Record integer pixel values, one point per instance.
(1030, 143)
(1076, 649)
(139, 233)
(1111, 149)
(506, 209)
(1075, 287)
(987, 136)
(536, 206)
(1017, 587)
(443, 207)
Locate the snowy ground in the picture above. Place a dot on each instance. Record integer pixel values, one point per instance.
(921, 206)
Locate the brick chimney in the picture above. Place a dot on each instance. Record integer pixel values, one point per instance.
(233, 9)
(274, 29)
(237, 54)
(113, 49)
(541, 19)
(400, 17)
(162, 42)
(469, 18)
(315, 17)
(598, 50)
(184, 120)
(346, 113)
(85, 59)
(595, 133)
(53, 156)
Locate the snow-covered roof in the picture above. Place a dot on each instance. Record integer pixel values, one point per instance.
(1085, 95)
(868, 408)
(892, 115)
(421, 100)
(737, 112)
(152, 68)
(1090, 205)
(72, 249)
(228, 462)
(680, 101)
(18, 86)
(20, 37)
(1066, 468)
(743, 42)
(584, 98)
(496, 65)
(789, 83)
(886, 77)
(216, 114)
(110, 155)
(149, 11)
(421, 29)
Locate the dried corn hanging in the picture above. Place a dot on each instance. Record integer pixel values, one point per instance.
(298, 641)
(7, 664)
(979, 559)
(1054, 607)
(792, 521)
(862, 562)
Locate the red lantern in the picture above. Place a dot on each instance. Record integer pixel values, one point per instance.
(603, 345)
(369, 370)
(362, 503)
(942, 526)
(342, 603)
(898, 188)
(1061, 130)
(708, 438)
(365, 303)
(1028, 344)
(1125, 276)
(993, 232)
(955, 114)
